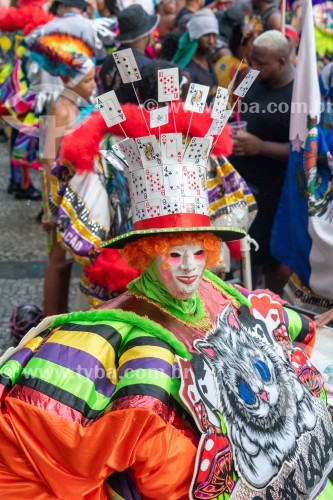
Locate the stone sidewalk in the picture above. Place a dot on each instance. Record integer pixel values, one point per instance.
(22, 252)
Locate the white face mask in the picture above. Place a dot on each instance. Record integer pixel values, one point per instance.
(183, 271)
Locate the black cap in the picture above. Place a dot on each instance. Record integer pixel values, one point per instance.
(134, 23)
(77, 4)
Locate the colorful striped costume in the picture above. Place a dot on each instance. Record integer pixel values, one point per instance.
(97, 394)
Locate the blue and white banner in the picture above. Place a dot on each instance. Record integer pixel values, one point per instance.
(302, 235)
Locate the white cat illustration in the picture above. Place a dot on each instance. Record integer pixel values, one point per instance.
(265, 406)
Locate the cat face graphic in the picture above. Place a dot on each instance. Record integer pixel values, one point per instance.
(263, 403)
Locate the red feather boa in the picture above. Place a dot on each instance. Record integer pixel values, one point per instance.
(24, 19)
(82, 145)
(111, 271)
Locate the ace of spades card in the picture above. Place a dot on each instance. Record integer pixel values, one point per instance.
(170, 206)
(168, 84)
(149, 151)
(196, 98)
(173, 179)
(110, 108)
(159, 117)
(138, 186)
(154, 181)
(127, 65)
(220, 102)
(129, 149)
(172, 148)
(197, 151)
(246, 83)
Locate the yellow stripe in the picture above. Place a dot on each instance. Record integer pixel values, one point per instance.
(90, 343)
(33, 344)
(78, 225)
(147, 352)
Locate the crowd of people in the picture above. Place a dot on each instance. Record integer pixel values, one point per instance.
(168, 381)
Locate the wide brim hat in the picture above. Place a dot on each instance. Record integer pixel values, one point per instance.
(134, 23)
(224, 233)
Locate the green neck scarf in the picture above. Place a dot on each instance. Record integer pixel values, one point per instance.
(150, 285)
(186, 50)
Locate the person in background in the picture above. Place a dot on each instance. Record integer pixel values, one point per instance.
(167, 11)
(186, 13)
(135, 28)
(261, 154)
(195, 47)
(239, 58)
(268, 14)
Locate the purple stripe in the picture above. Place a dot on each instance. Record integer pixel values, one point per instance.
(146, 364)
(72, 238)
(22, 356)
(80, 362)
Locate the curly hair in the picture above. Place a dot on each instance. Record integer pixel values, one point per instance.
(140, 253)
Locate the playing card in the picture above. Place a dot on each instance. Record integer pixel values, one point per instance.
(117, 151)
(112, 158)
(201, 205)
(231, 84)
(220, 102)
(172, 148)
(197, 151)
(153, 208)
(218, 125)
(149, 151)
(110, 108)
(246, 83)
(139, 212)
(173, 180)
(170, 205)
(168, 84)
(127, 65)
(159, 117)
(138, 186)
(188, 205)
(191, 181)
(130, 150)
(196, 98)
(154, 180)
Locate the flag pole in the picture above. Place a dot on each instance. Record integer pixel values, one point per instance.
(283, 16)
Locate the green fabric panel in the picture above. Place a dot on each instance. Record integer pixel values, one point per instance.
(294, 323)
(67, 380)
(231, 290)
(327, 494)
(130, 318)
(11, 369)
(145, 376)
(134, 333)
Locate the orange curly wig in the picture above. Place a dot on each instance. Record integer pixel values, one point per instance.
(139, 253)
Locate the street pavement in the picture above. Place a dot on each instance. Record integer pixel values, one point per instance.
(22, 253)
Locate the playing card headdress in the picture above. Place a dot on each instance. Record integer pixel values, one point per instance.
(168, 185)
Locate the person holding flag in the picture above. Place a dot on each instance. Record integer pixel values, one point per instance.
(302, 232)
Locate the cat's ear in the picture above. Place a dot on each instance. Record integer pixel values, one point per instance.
(205, 348)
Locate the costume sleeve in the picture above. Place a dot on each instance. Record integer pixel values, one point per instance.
(58, 427)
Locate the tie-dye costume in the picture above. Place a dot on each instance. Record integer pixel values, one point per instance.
(92, 406)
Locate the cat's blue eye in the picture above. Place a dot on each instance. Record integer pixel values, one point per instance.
(246, 393)
(262, 370)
